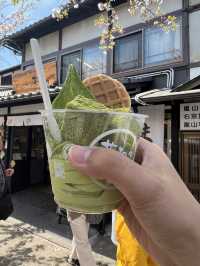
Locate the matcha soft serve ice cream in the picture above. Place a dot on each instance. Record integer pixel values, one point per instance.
(82, 120)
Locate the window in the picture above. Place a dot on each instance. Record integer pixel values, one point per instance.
(194, 19)
(72, 58)
(94, 61)
(128, 53)
(6, 80)
(161, 46)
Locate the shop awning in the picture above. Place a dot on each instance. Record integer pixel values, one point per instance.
(187, 91)
(25, 120)
(161, 96)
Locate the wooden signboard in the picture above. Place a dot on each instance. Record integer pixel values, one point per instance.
(190, 116)
(26, 81)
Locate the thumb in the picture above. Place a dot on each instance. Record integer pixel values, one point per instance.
(135, 183)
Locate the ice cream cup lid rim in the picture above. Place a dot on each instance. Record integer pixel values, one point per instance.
(136, 115)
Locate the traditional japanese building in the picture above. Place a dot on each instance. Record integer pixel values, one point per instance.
(145, 58)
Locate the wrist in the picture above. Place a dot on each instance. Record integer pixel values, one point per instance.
(187, 253)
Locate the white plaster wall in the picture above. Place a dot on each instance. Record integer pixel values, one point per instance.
(194, 2)
(85, 30)
(80, 32)
(194, 72)
(156, 122)
(171, 5)
(126, 20)
(48, 44)
(27, 108)
(28, 54)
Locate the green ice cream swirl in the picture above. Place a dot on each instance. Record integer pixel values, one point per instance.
(71, 189)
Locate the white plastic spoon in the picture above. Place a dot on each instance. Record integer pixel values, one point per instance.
(53, 126)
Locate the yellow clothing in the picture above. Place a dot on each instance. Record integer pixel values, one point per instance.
(129, 251)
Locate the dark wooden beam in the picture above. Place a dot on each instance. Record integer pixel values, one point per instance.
(175, 120)
(60, 37)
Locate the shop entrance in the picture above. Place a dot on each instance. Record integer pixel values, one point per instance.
(29, 153)
(190, 161)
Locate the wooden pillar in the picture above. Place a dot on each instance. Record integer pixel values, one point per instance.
(5, 131)
(8, 134)
(29, 150)
(9, 137)
(175, 149)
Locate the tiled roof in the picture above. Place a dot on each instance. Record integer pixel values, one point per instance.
(24, 97)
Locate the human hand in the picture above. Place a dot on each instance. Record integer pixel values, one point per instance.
(158, 208)
(9, 172)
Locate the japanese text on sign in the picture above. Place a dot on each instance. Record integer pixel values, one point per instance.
(190, 116)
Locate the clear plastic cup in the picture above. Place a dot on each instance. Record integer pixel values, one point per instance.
(111, 130)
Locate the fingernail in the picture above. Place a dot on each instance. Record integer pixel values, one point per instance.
(79, 154)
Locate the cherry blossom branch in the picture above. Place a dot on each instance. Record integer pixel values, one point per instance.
(149, 10)
(9, 22)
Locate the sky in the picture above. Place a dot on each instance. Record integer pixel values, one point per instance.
(41, 10)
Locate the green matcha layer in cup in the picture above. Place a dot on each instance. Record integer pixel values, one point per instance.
(84, 121)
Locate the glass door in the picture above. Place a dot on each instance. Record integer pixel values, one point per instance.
(38, 159)
(20, 146)
(190, 161)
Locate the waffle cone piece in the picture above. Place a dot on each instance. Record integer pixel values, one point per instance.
(108, 91)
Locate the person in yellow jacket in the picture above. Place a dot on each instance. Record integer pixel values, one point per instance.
(129, 251)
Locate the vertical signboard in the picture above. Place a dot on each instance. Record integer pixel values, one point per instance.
(190, 116)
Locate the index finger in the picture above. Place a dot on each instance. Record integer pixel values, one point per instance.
(151, 155)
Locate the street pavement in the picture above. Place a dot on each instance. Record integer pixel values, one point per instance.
(32, 235)
(21, 247)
